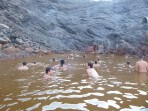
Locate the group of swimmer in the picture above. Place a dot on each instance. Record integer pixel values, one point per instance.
(140, 66)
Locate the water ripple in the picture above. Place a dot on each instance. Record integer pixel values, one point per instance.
(24, 99)
(33, 107)
(127, 87)
(129, 96)
(103, 104)
(85, 87)
(77, 96)
(142, 92)
(114, 92)
(117, 98)
(2, 106)
(100, 88)
(55, 105)
(135, 108)
(12, 104)
(7, 99)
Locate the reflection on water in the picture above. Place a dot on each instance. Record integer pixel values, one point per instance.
(118, 87)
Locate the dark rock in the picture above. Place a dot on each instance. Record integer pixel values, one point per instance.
(1, 46)
(4, 40)
(65, 25)
(125, 47)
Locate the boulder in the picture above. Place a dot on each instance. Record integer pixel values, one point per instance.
(2, 34)
(4, 26)
(4, 40)
(19, 41)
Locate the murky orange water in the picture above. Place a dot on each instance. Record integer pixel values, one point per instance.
(118, 89)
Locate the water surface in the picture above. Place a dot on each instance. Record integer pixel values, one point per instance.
(118, 88)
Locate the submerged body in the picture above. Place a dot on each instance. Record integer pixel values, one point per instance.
(91, 71)
(141, 66)
(24, 67)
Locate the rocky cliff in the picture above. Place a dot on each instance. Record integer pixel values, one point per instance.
(31, 26)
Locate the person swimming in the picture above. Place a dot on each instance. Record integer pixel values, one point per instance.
(107, 55)
(91, 71)
(24, 67)
(61, 66)
(48, 73)
(96, 64)
(53, 59)
(129, 64)
(84, 56)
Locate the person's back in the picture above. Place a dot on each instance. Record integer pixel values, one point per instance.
(141, 65)
(48, 73)
(91, 71)
(24, 67)
(96, 65)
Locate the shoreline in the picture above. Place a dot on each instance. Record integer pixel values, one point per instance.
(15, 56)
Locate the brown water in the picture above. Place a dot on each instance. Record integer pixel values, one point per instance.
(118, 89)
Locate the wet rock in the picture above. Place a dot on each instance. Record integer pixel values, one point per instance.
(1, 34)
(4, 40)
(29, 50)
(65, 25)
(19, 41)
(124, 47)
(101, 49)
(1, 47)
(4, 26)
(11, 50)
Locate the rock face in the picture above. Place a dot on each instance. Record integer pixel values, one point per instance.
(65, 25)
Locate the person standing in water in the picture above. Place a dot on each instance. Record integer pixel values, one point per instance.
(24, 67)
(91, 71)
(141, 65)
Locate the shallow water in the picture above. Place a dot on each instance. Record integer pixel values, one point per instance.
(118, 88)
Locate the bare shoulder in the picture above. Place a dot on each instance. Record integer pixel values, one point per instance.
(137, 62)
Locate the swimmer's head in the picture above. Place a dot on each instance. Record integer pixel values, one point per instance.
(48, 69)
(34, 62)
(98, 59)
(84, 56)
(24, 63)
(62, 62)
(90, 64)
(128, 63)
(96, 62)
(53, 59)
